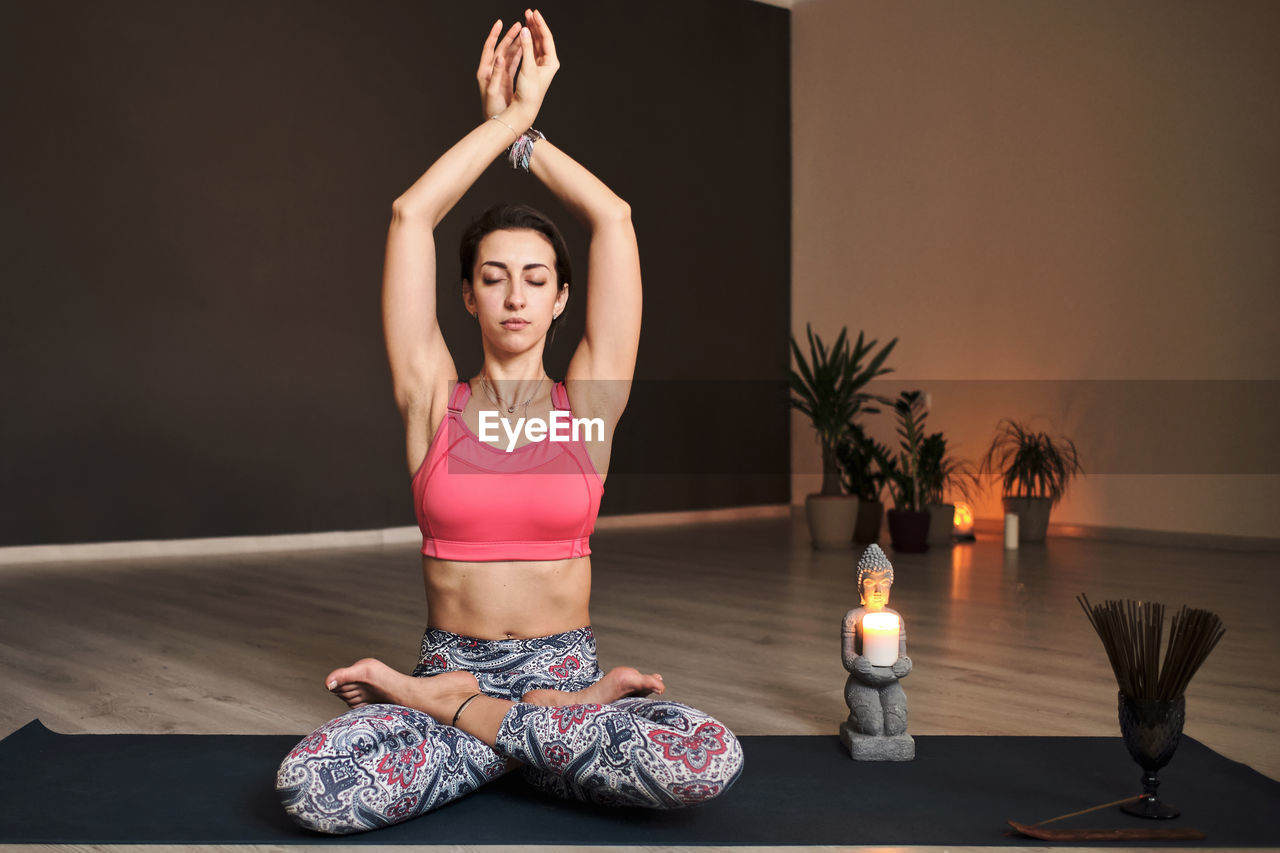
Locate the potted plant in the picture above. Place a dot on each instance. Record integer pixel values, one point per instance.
(908, 522)
(1035, 469)
(828, 388)
(866, 464)
(941, 474)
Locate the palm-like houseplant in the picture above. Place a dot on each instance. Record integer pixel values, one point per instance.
(940, 474)
(1034, 469)
(828, 388)
(908, 522)
(866, 465)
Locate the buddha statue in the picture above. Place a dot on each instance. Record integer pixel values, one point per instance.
(876, 729)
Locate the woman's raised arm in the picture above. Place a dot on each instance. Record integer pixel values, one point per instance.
(612, 335)
(420, 361)
(415, 347)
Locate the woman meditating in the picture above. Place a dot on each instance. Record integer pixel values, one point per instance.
(508, 675)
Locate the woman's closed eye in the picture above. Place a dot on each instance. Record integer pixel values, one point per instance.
(501, 280)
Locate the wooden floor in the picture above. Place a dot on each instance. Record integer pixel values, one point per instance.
(741, 618)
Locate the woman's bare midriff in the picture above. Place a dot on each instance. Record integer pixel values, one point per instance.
(508, 599)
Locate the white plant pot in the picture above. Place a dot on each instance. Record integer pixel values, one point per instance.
(832, 519)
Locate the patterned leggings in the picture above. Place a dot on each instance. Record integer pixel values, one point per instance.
(381, 764)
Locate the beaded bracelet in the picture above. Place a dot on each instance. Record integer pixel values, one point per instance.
(522, 149)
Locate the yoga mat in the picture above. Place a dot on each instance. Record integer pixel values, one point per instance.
(794, 790)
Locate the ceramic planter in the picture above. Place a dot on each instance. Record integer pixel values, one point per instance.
(1033, 517)
(831, 519)
(942, 523)
(909, 530)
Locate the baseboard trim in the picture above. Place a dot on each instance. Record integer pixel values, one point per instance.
(141, 549)
(698, 516)
(1139, 536)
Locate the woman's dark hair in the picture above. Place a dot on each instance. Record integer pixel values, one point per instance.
(501, 217)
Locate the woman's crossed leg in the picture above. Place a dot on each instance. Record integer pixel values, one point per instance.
(394, 759)
(380, 764)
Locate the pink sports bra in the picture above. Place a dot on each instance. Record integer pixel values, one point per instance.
(477, 501)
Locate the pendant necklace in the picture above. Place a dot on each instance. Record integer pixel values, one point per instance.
(491, 393)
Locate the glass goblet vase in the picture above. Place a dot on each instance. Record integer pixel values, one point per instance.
(1151, 730)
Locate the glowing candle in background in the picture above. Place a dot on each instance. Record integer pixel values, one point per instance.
(963, 521)
(880, 638)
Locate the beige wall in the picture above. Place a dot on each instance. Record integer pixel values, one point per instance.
(1027, 190)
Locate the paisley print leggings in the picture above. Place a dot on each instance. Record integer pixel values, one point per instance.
(381, 764)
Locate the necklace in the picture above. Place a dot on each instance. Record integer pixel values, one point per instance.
(492, 394)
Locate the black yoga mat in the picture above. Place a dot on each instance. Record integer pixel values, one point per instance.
(794, 790)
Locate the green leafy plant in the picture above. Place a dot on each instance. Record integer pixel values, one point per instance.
(940, 473)
(904, 478)
(865, 464)
(1031, 464)
(828, 388)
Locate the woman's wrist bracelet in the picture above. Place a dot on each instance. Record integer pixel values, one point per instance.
(499, 120)
(522, 149)
(463, 707)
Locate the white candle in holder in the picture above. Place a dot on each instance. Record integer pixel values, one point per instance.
(880, 638)
(1010, 531)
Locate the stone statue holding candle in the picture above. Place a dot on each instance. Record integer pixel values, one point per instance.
(873, 645)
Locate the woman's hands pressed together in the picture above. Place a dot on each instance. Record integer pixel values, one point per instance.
(528, 49)
(497, 72)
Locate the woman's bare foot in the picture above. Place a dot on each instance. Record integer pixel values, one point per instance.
(621, 681)
(369, 681)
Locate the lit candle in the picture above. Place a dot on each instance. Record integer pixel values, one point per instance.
(1010, 531)
(963, 520)
(880, 638)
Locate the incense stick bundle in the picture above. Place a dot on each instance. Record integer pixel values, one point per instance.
(1132, 633)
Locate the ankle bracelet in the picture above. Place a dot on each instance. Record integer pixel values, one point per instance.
(463, 707)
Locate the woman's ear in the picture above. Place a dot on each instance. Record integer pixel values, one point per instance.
(562, 299)
(468, 296)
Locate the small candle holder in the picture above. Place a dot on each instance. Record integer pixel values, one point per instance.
(874, 651)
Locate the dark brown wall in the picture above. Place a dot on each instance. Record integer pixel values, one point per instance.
(195, 204)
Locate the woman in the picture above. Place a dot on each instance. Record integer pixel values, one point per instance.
(508, 674)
